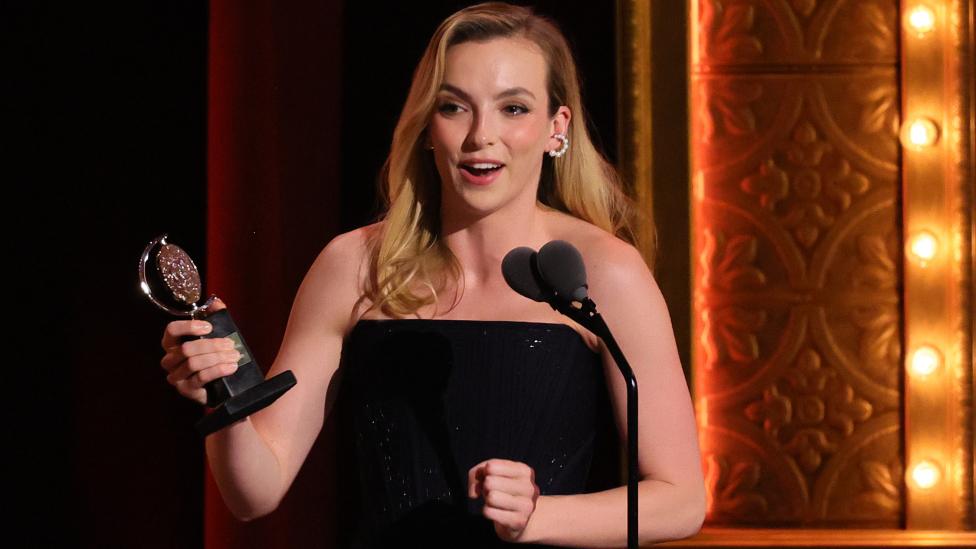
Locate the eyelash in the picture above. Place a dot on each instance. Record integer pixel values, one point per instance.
(512, 110)
(449, 108)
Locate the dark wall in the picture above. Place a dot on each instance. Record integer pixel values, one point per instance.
(107, 108)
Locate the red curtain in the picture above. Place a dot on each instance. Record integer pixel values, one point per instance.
(273, 202)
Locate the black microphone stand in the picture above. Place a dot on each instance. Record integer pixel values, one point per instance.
(587, 316)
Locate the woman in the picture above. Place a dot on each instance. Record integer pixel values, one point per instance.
(473, 409)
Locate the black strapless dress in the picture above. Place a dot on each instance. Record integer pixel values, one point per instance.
(423, 401)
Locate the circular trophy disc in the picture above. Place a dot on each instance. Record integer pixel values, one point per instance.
(179, 273)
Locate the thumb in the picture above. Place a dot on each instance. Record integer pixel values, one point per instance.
(475, 476)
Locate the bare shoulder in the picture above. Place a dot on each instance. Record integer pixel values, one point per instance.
(347, 249)
(610, 261)
(335, 279)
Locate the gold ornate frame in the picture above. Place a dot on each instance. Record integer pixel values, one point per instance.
(635, 136)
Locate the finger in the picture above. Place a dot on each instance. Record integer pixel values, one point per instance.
(171, 360)
(507, 502)
(198, 395)
(178, 329)
(199, 363)
(510, 469)
(475, 476)
(515, 487)
(198, 380)
(206, 345)
(175, 356)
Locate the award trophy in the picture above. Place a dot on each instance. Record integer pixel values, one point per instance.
(170, 279)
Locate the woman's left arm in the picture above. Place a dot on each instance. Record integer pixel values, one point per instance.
(671, 490)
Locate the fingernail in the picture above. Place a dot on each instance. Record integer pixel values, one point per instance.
(237, 357)
(227, 344)
(202, 326)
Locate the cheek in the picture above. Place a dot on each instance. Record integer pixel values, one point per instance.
(528, 137)
(440, 131)
(527, 145)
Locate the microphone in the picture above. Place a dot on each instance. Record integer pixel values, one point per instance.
(561, 265)
(522, 274)
(556, 275)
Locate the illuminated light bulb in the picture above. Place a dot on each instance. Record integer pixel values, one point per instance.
(926, 474)
(925, 360)
(924, 246)
(921, 19)
(920, 133)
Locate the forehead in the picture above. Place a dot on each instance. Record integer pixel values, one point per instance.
(496, 65)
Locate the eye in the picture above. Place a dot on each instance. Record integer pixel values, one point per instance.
(449, 108)
(515, 109)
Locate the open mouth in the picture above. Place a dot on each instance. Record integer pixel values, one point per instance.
(481, 169)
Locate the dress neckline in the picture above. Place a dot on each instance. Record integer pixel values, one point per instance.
(466, 321)
(472, 323)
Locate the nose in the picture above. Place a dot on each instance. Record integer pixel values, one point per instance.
(482, 132)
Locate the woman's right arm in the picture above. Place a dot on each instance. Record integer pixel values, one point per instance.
(255, 460)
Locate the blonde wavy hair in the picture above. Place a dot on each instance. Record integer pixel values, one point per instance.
(408, 262)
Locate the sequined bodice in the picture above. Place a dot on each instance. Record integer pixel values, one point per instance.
(423, 401)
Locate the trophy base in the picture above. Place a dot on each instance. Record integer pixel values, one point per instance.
(246, 403)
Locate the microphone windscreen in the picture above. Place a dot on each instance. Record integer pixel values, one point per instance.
(519, 270)
(561, 266)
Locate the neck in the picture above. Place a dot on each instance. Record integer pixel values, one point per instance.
(480, 243)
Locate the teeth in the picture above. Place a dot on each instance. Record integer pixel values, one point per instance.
(484, 166)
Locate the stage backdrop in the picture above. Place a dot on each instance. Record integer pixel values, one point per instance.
(272, 203)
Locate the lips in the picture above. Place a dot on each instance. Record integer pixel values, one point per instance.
(480, 172)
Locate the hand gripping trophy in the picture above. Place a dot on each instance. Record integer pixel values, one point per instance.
(170, 279)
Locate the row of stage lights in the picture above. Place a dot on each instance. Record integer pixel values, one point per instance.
(920, 134)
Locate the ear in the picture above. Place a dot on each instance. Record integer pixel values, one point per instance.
(559, 124)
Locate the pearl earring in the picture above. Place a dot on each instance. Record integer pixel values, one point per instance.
(562, 150)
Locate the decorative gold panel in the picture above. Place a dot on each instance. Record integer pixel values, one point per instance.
(818, 309)
(797, 245)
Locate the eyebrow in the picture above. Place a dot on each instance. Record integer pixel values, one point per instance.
(518, 90)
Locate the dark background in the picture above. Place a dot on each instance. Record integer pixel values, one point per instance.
(107, 106)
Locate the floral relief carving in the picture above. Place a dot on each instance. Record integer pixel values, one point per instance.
(732, 491)
(877, 270)
(808, 447)
(879, 345)
(728, 109)
(771, 184)
(868, 33)
(806, 185)
(809, 410)
(882, 488)
(803, 7)
(729, 332)
(725, 28)
(879, 108)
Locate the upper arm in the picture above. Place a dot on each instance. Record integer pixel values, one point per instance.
(311, 349)
(633, 307)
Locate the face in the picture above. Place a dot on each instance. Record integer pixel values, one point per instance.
(491, 125)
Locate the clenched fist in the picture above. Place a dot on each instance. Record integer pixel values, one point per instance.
(509, 491)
